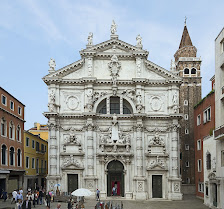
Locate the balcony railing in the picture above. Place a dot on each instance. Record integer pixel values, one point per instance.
(41, 171)
(219, 132)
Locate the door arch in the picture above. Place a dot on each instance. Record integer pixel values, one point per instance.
(115, 177)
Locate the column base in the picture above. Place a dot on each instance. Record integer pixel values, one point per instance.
(103, 195)
(175, 196)
(129, 195)
(141, 196)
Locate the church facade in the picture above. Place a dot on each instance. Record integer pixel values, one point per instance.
(113, 121)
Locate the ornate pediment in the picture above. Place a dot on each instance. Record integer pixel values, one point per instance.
(71, 163)
(212, 176)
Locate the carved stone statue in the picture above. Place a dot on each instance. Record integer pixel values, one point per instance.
(90, 39)
(175, 98)
(114, 67)
(139, 41)
(52, 65)
(113, 28)
(115, 132)
(52, 96)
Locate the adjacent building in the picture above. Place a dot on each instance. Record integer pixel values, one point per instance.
(11, 141)
(204, 124)
(217, 178)
(113, 120)
(35, 161)
(40, 129)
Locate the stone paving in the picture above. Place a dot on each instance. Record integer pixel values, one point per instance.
(189, 202)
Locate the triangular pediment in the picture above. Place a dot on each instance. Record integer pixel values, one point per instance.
(114, 46)
(160, 72)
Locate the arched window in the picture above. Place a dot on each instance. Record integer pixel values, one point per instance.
(18, 133)
(19, 157)
(127, 109)
(193, 71)
(115, 105)
(3, 127)
(12, 156)
(4, 155)
(208, 161)
(186, 71)
(102, 107)
(11, 130)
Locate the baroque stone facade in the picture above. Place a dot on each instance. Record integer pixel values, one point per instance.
(113, 120)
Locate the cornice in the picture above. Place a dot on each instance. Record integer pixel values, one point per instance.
(12, 114)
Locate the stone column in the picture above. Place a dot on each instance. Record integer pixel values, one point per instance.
(90, 160)
(139, 148)
(174, 151)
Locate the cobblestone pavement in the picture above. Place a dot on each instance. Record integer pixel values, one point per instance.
(189, 202)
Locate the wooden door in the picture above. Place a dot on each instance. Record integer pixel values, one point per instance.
(157, 186)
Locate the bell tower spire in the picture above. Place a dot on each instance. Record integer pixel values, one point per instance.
(188, 67)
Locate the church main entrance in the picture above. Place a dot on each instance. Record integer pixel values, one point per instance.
(115, 178)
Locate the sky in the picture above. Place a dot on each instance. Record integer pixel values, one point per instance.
(33, 31)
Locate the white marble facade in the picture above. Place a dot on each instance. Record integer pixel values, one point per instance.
(114, 107)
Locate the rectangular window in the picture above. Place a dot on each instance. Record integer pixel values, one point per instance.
(199, 144)
(198, 120)
(206, 191)
(187, 164)
(186, 131)
(27, 162)
(201, 187)
(186, 146)
(207, 115)
(188, 180)
(33, 163)
(199, 165)
(37, 147)
(42, 148)
(27, 141)
(45, 148)
(37, 166)
(222, 158)
(11, 105)
(33, 144)
(186, 117)
(45, 164)
(19, 110)
(4, 101)
(222, 46)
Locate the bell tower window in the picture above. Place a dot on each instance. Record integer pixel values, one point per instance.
(186, 71)
(193, 71)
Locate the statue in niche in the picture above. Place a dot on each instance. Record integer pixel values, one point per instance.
(139, 98)
(175, 98)
(139, 41)
(115, 132)
(52, 96)
(90, 38)
(52, 65)
(114, 67)
(113, 28)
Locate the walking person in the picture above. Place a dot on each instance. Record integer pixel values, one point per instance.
(26, 204)
(18, 205)
(97, 195)
(19, 196)
(48, 199)
(34, 198)
(114, 191)
(14, 194)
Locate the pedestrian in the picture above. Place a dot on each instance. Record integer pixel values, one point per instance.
(114, 191)
(21, 190)
(37, 197)
(4, 195)
(26, 204)
(97, 195)
(18, 205)
(14, 193)
(58, 206)
(19, 196)
(34, 198)
(70, 204)
(40, 196)
(48, 199)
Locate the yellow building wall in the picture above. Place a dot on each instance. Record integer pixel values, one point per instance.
(31, 152)
(43, 133)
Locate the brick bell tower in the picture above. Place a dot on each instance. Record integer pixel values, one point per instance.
(188, 67)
